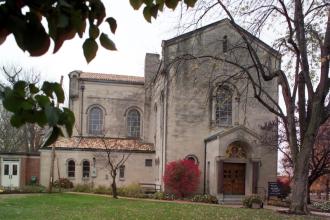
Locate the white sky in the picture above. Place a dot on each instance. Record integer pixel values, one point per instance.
(134, 38)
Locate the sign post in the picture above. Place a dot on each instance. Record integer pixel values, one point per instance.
(274, 189)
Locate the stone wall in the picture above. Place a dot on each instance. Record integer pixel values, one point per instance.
(188, 85)
(135, 169)
(114, 98)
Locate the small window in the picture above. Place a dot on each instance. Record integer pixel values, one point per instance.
(15, 170)
(122, 172)
(71, 168)
(224, 44)
(86, 168)
(6, 173)
(192, 158)
(148, 162)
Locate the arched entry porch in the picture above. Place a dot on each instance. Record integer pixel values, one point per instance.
(237, 171)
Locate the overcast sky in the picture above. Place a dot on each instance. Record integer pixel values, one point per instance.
(134, 38)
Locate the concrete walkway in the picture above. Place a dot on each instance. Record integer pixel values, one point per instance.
(281, 209)
(269, 207)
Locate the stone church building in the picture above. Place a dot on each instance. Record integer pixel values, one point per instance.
(189, 104)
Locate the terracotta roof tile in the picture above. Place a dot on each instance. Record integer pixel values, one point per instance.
(86, 143)
(112, 77)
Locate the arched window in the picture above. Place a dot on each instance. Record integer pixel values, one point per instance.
(133, 123)
(71, 168)
(192, 158)
(86, 168)
(95, 120)
(223, 108)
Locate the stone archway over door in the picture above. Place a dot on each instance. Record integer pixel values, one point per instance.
(234, 178)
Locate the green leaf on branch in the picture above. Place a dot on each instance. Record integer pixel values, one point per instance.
(190, 3)
(113, 24)
(148, 2)
(67, 119)
(94, 31)
(78, 23)
(171, 3)
(63, 21)
(90, 48)
(33, 89)
(154, 10)
(42, 100)
(59, 92)
(52, 135)
(52, 115)
(47, 88)
(19, 88)
(40, 118)
(16, 120)
(106, 42)
(136, 4)
(11, 100)
(147, 13)
(26, 105)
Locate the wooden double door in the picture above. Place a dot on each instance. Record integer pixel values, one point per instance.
(234, 178)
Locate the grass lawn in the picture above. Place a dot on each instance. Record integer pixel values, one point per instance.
(89, 207)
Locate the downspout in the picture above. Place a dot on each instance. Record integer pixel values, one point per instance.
(82, 87)
(166, 115)
(211, 138)
(205, 144)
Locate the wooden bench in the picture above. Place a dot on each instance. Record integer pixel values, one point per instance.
(149, 188)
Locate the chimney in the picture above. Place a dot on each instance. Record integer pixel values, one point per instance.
(151, 66)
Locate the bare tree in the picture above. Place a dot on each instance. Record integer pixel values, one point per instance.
(28, 138)
(319, 164)
(303, 35)
(113, 157)
(10, 138)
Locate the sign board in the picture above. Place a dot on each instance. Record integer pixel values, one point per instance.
(274, 189)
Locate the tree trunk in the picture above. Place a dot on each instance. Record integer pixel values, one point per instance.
(114, 188)
(299, 192)
(308, 195)
(327, 189)
(51, 173)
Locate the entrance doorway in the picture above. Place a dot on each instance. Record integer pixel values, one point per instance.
(10, 173)
(234, 178)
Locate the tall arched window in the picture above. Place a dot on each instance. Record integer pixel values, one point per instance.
(95, 120)
(133, 123)
(71, 168)
(86, 168)
(223, 108)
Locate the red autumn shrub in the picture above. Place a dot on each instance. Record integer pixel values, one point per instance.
(181, 177)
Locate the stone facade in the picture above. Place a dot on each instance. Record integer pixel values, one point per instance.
(135, 169)
(180, 112)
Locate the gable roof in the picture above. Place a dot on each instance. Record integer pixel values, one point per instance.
(238, 128)
(112, 77)
(225, 20)
(103, 143)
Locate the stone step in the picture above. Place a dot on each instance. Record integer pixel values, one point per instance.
(232, 199)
